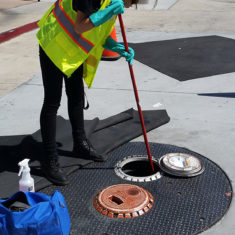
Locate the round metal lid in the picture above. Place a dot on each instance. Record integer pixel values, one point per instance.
(123, 201)
(181, 164)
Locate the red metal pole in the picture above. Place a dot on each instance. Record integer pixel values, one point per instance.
(136, 95)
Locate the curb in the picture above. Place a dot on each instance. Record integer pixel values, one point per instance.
(7, 35)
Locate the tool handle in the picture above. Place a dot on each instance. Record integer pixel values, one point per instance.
(136, 95)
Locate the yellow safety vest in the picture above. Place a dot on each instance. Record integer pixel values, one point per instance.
(67, 49)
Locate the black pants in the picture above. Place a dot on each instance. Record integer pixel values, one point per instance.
(53, 83)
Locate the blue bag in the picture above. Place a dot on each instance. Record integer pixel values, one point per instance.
(46, 215)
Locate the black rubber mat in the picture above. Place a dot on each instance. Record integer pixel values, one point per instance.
(188, 58)
(181, 206)
(222, 95)
(105, 135)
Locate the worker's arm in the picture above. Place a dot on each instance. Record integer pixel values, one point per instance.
(86, 22)
(83, 23)
(115, 7)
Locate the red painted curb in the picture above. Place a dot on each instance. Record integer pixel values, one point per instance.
(7, 35)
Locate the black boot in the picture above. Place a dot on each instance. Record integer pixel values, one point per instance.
(53, 172)
(84, 149)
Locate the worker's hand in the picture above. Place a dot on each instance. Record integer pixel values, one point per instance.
(129, 56)
(115, 7)
(118, 6)
(114, 46)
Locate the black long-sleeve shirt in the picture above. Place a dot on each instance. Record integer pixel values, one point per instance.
(86, 6)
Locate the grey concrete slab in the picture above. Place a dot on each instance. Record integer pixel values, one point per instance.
(22, 15)
(18, 64)
(164, 5)
(149, 79)
(6, 4)
(213, 84)
(120, 77)
(155, 4)
(20, 110)
(184, 16)
(138, 36)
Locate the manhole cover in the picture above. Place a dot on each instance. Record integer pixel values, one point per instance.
(181, 205)
(123, 201)
(181, 164)
(137, 168)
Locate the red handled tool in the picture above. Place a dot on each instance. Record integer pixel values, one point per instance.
(136, 95)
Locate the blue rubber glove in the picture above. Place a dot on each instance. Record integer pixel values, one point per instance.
(115, 7)
(114, 46)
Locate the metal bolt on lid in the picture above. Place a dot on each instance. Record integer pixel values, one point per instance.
(123, 201)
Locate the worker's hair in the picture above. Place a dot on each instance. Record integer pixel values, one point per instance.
(134, 1)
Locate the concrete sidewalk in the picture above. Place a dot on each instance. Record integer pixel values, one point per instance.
(19, 56)
(8, 4)
(200, 123)
(21, 53)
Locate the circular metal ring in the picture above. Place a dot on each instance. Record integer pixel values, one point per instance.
(137, 158)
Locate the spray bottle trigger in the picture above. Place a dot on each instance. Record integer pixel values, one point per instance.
(23, 164)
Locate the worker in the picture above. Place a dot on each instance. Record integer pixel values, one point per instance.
(72, 36)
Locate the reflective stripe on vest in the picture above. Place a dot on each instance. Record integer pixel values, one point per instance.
(57, 40)
(68, 25)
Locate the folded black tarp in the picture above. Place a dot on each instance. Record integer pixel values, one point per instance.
(105, 135)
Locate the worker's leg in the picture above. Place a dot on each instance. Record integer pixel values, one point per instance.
(75, 93)
(52, 82)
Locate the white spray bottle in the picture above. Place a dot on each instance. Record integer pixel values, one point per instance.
(26, 182)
